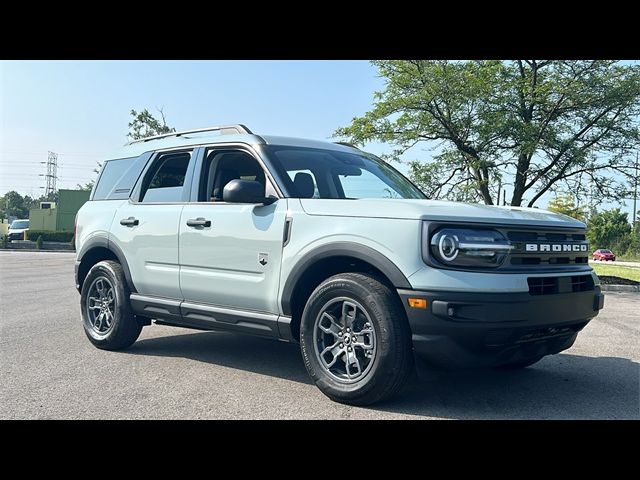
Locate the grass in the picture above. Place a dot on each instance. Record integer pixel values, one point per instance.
(630, 258)
(617, 271)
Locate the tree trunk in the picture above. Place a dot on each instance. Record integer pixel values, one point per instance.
(520, 180)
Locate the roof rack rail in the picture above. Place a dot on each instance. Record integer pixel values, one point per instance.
(347, 144)
(223, 129)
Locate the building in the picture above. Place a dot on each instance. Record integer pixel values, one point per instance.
(60, 216)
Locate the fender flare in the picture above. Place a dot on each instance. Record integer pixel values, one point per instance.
(341, 249)
(103, 242)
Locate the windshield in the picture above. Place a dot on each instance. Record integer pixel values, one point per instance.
(20, 224)
(317, 173)
(605, 251)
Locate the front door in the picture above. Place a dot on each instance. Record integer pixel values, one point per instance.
(146, 228)
(230, 254)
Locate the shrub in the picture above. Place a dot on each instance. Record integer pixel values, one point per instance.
(39, 242)
(5, 241)
(50, 236)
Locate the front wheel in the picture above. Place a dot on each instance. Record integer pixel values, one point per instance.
(355, 339)
(107, 318)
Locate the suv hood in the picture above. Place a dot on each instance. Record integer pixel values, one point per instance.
(437, 210)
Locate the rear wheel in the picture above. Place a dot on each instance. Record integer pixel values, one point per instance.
(107, 318)
(355, 339)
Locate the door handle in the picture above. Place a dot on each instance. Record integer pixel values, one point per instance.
(129, 222)
(198, 222)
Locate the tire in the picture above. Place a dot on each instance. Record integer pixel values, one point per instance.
(519, 365)
(118, 328)
(383, 365)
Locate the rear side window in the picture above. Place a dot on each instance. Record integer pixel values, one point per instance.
(164, 181)
(112, 172)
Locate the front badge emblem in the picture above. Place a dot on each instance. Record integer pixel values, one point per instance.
(263, 258)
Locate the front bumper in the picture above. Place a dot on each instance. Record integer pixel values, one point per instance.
(459, 330)
(16, 236)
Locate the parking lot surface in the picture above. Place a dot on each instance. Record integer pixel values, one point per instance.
(48, 369)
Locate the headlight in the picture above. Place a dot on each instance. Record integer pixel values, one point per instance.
(458, 247)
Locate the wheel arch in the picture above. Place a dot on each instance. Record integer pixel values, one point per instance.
(96, 250)
(326, 261)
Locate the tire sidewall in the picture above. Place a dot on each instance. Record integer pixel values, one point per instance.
(383, 327)
(121, 312)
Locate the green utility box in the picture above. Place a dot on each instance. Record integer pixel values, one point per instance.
(62, 216)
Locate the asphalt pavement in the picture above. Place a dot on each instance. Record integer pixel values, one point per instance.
(48, 369)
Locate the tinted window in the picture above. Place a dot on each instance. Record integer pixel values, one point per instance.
(112, 171)
(165, 180)
(222, 166)
(319, 173)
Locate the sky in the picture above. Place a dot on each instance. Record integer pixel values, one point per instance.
(80, 109)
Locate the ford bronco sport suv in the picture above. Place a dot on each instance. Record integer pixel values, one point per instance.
(326, 245)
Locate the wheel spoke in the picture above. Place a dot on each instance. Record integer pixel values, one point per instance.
(98, 322)
(108, 318)
(351, 362)
(364, 338)
(100, 288)
(110, 296)
(95, 301)
(332, 328)
(337, 353)
(349, 311)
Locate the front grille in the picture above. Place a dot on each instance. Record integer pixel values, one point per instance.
(553, 285)
(538, 249)
(549, 332)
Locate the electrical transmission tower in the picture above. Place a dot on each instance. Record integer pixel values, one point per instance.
(52, 174)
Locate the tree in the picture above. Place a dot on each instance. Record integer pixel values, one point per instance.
(566, 204)
(608, 229)
(89, 185)
(143, 125)
(146, 125)
(537, 126)
(12, 204)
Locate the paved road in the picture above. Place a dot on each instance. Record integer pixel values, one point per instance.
(49, 370)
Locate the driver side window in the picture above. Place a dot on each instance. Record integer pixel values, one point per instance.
(222, 166)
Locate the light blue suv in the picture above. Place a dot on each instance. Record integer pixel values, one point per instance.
(326, 245)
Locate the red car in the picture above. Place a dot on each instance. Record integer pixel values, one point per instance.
(604, 254)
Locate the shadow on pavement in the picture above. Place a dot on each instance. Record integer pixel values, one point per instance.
(561, 386)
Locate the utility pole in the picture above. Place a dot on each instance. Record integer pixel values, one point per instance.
(52, 174)
(635, 193)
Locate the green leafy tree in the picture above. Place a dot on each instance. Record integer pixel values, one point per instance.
(13, 205)
(144, 125)
(89, 185)
(608, 229)
(566, 204)
(537, 126)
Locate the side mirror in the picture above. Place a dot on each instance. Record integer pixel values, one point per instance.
(245, 191)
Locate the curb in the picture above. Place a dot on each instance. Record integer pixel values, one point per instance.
(620, 288)
(31, 250)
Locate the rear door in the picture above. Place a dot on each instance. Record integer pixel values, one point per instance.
(146, 228)
(233, 260)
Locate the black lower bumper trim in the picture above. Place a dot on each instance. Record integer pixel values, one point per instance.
(459, 329)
